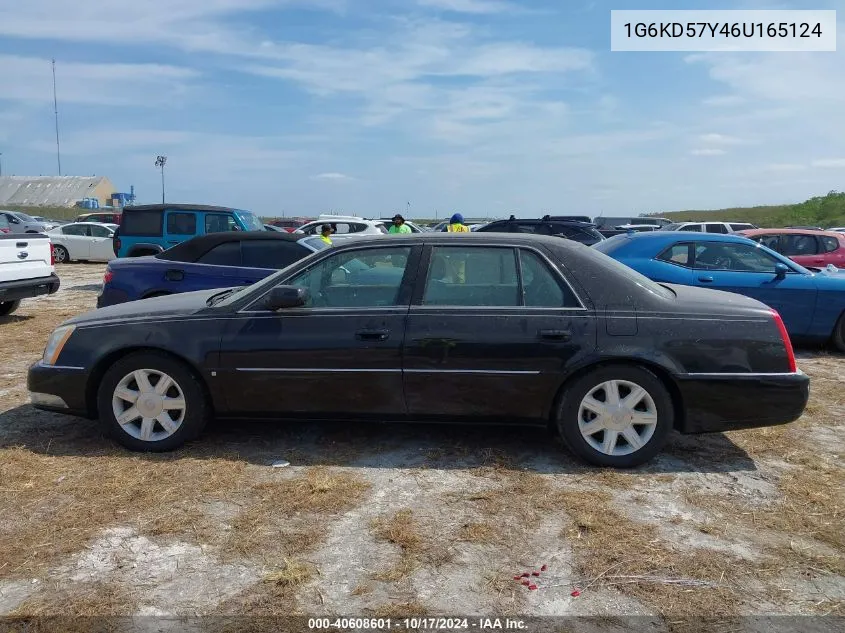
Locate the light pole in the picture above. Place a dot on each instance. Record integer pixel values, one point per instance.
(160, 161)
(1, 163)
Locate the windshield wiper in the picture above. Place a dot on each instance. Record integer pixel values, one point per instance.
(214, 299)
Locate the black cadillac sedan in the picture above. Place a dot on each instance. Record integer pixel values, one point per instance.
(479, 327)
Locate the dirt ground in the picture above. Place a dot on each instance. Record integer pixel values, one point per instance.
(412, 520)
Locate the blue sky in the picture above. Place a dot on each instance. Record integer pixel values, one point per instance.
(487, 107)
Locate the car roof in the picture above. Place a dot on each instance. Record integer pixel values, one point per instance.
(667, 236)
(439, 238)
(179, 207)
(193, 249)
(790, 232)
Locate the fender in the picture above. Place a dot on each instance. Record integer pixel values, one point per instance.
(145, 246)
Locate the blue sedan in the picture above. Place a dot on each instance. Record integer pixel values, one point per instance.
(216, 260)
(811, 302)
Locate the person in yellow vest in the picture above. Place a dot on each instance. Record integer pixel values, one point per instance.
(325, 232)
(456, 224)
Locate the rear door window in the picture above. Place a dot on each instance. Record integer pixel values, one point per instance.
(220, 223)
(77, 229)
(181, 223)
(540, 287)
(716, 227)
(226, 254)
(797, 245)
(141, 223)
(272, 254)
(741, 227)
(830, 244)
(99, 231)
(691, 227)
(678, 254)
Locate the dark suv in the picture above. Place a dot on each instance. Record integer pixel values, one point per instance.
(584, 232)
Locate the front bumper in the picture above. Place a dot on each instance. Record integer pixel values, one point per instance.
(728, 402)
(59, 389)
(28, 288)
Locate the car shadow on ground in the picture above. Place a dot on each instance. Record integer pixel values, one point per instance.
(86, 287)
(365, 445)
(15, 318)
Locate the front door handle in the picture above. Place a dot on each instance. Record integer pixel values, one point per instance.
(556, 335)
(706, 279)
(372, 335)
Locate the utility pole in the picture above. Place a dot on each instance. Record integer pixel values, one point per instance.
(160, 161)
(1, 163)
(56, 112)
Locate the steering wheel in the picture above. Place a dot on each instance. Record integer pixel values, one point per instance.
(723, 261)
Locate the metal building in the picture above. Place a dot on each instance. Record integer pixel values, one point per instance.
(53, 191)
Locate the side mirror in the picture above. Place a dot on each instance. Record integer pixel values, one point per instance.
(781, 270)
(283, 297)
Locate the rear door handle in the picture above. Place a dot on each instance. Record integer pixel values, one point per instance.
(556, 335)
(706, 280)
(372, 335)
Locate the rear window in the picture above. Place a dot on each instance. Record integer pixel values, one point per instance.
(611, 244)
(141, 223)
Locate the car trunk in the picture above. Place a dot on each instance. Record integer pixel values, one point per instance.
(24, 257)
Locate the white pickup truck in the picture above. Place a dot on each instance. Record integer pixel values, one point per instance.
(26, 269)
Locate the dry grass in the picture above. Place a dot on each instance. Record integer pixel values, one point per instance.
(476, 533)
(293, 573)
(287, 517)
(604, 539)
(396, 610)
(80, 600)
(61, 503)
(417, 545)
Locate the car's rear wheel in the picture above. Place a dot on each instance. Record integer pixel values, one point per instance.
(839, 334)
(60, 254)
(7, 307)
(149, 401)
(617, 416)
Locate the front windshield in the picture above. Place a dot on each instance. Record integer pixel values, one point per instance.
(25, 217)
(250, 221)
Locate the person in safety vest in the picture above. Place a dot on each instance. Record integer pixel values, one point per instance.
(456, 224)
(325, 232)
(399, 225)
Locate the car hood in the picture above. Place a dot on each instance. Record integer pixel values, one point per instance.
(183, 304)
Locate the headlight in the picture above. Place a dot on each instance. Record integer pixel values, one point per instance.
(57, 341)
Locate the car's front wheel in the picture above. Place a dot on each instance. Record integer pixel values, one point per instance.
(149, 401)
(617, 416)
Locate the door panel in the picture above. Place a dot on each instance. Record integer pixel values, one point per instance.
(473, 347)
(749, 271)
(341, 354)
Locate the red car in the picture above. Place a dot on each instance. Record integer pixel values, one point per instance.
(815, 249)
(288, 224)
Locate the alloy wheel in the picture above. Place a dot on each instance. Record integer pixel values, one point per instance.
(149, 405)
(617, 417)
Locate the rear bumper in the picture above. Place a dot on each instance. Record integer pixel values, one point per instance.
(59, 389)
(27, 288)
(110, 296)
(728, 402)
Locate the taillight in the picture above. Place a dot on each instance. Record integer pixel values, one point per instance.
(116, 245)
(5, 231)
(108, 276)
(787, 343)
(52, 254)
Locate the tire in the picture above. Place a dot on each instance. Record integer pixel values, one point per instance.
(7, 307)
(839, 334)
(135, 434)
(60, 254)
(588, 442)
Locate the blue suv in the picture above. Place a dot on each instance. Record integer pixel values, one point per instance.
(153, 228)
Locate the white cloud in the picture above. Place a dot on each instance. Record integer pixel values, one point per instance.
(719, 139)
(724, 101)
(333, 176)
(708, 151)
(829, 162)
(469, 6)
(784, 167)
